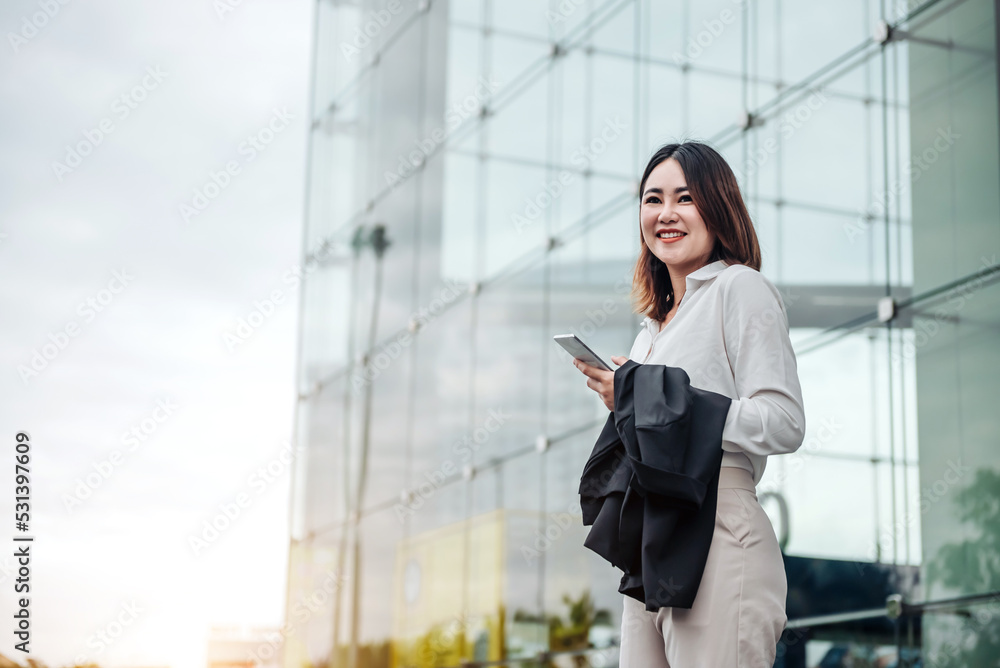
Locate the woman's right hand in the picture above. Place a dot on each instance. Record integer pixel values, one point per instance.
(601, 381)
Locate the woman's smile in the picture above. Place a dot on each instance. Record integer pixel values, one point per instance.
(671, 237)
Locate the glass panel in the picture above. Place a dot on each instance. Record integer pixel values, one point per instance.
(898, 537)
(664, 109)
(435, 501)
(464, 67)
(335, 189)
(955, 636)
(826, 652)
(518, 128)
(513, 227)
(846, 259)
(441, 414)
(571, 20)
(960, 637)
(663, 28)
(757, 160)
(509, 382)
(956, 203)
(767, 221)
(325, 308)
(841, 530)
(394, 137)
(511, 58)
(570, 130)
(612, 122)
(378, 603)
(336, 23)
(524, 17)
(466, 11)
(956, 343)
(589, 298)
(844, 399)
(766, 62)
(485, 491)
(314, 583)
(714, 104)
(458, 218)
(527, 629)
(431, 624)
(581, 589)
(828, 167)
(954, 139)
(323, 470)
(449, 585)
(394, 295)
(390, 374)
(806, 48)
(615, 30)
(613, 220)
(571, 196)
(713, 36)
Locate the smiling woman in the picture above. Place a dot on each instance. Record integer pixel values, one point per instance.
(710, 312)
(689, 196)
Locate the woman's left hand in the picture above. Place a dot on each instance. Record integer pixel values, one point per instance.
(601, 381)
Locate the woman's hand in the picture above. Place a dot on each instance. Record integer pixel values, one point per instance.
(601, 381)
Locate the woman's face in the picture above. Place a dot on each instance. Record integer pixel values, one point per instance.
(667, 208)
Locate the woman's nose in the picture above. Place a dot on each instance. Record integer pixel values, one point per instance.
(668, 215)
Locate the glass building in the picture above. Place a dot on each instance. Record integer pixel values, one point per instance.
(472, 191)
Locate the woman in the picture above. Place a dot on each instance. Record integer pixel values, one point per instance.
(711, 312)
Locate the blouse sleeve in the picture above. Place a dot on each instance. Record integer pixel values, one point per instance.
(768, 417)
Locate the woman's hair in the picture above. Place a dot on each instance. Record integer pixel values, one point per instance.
(714, 190)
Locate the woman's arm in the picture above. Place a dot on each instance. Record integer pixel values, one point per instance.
(768, 418)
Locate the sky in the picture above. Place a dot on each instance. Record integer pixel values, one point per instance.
(151, 198)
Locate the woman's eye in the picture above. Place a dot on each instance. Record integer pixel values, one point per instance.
(684, 197)
(652, 200)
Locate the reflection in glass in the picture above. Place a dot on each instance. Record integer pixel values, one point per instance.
(467, 545)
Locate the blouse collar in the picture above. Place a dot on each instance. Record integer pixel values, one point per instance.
(694, 280)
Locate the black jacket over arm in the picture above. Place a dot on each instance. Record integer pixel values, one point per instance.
(650, 487)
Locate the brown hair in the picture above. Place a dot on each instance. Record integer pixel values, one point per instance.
(714, 190)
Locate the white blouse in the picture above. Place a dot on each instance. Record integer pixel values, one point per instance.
(730, 334)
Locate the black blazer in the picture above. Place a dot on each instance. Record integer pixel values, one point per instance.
(650, 487)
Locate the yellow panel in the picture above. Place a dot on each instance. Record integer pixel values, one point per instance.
(449, 583)
(312, 577)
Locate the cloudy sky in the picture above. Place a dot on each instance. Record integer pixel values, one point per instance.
(148, 413)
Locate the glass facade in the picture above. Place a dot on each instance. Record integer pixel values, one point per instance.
(472, 192)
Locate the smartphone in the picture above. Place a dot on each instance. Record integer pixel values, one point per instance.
(579, 350)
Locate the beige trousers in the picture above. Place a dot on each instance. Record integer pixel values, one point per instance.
(739, 612)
